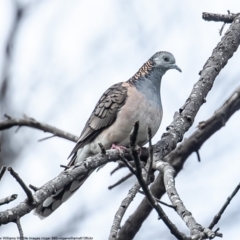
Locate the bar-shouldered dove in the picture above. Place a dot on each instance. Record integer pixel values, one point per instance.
(112, 120)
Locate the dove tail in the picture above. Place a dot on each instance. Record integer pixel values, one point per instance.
(54, 201)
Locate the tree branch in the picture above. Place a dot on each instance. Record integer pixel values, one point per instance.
(159, 201)
(31, 122)
(218, 17)
(179, 126)
(19, 228)
(121, 211)
(218, 216)
(2, 171)
(120, 165)
(143, 183)
(206, 129)
(23, 185)
(183, 120)
(79, 170)
(178, 157)
(196, 230)
(8, 199)
(150, 152)
(120, 181)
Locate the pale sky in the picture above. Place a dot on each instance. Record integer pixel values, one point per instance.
(66, 54)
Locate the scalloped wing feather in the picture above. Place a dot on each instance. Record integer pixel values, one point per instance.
(103, 115)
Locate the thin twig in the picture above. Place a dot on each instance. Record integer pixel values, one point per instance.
(33, 188)
(218, 216)
(17, 129)
(22, 184)
(64, 166)
(2, 171)
(150, 159)
(46, 138)
(120, 165)
(221, 30)
(103, 150)
(19, 228)
(125, 161)
(121, 181)
(8, 199)
(198, 156)
(7, 116)
(163, 203)
(133, 135)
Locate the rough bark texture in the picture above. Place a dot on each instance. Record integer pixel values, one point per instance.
(206, 129)
(178, 157)
(55, 184)
(122, 209)
(184, 120)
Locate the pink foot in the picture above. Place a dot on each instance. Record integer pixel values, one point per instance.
(119, 148)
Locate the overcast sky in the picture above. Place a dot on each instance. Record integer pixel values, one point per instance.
(66, 54)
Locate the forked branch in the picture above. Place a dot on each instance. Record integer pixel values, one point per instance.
(184, 120)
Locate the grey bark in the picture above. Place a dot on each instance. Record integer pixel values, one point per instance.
(184, 120)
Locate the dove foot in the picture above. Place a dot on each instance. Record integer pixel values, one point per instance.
(119, 148)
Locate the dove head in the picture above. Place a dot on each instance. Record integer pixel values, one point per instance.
(154, 69)
(164, 61)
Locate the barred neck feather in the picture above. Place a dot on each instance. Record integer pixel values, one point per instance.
(144, 71)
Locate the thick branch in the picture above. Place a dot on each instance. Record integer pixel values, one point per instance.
(31, 122)
(178, 157)
(184, 120)
(206, 129)
(82, 169)
(181, 123)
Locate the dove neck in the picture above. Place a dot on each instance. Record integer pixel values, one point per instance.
(151, 80)
(152, 83)
(150, 86)
(147, 71)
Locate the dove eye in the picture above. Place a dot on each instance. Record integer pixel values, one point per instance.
(166, 59)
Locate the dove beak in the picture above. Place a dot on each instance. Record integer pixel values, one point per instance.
(174, 66)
